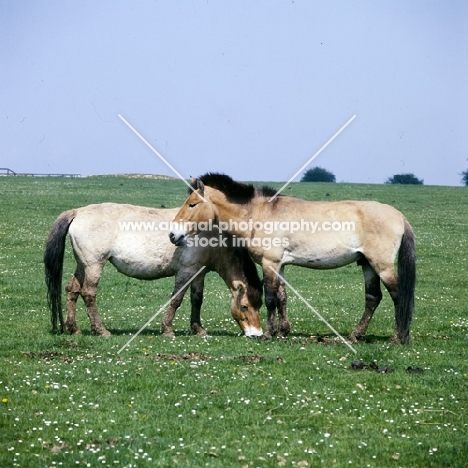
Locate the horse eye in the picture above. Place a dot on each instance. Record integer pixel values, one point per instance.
(244, 308)
(192, 205)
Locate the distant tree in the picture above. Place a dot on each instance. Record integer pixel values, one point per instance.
(404, 179)
(318, 174)
(464, 175)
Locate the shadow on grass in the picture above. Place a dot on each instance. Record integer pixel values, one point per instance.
(178, 333)
(331, 338)
(294, 337)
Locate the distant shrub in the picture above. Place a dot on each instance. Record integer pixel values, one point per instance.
(404, 179)
(318, 174)
(464, 175)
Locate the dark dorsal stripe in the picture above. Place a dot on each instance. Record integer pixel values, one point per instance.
(236, 192)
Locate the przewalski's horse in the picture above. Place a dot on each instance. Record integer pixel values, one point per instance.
(135, 240)
(320, 235)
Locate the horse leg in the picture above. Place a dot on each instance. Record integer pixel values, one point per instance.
(196, 297)
(176, 300)
(73, 289)
(373, 298)
(284, 323)
(270, 283)
(88, 293)
(166, 322)
(390, 281)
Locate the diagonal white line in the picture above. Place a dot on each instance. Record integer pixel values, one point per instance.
(315, 312)
(312, 158)
(160, 156)
(161, 309)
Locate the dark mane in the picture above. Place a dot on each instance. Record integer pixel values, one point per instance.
(255, 284)
(235, 192)
(266, 191)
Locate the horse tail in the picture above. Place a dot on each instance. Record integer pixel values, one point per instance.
(53, 265)
(406, 283)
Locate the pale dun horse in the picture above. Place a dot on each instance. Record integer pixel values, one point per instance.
(372, 234)
(135, 240)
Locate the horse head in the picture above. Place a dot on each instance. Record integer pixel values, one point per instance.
(244, 312)
(196, 209)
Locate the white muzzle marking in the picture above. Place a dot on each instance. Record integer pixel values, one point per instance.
(252, 331)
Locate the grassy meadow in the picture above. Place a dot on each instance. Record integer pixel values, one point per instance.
(225, 400)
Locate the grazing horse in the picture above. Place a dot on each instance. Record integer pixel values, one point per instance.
(282, 230)
(134, 239)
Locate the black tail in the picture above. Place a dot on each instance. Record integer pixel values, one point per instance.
(53, 265)
(406, 284)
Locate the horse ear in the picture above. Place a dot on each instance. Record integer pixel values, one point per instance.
(198, 184)
(200, 187)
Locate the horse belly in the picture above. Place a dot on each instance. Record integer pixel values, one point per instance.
(143, 260)
(322, 259)
(142, 269)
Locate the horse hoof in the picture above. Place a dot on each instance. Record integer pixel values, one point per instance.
(353, 338)
(265, 337)
(284, 330)
(199, 331)
(168, 334)
(101, 332)
(395, 341)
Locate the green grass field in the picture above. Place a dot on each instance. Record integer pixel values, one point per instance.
(226, 400)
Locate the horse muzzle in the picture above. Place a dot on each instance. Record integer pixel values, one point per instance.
(178, 239)
(252, 332)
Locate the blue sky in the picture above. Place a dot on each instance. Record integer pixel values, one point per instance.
(249, 88)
